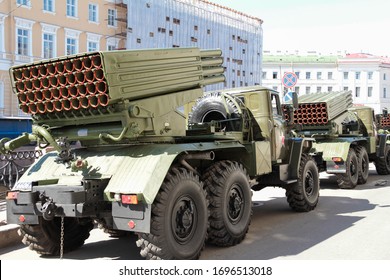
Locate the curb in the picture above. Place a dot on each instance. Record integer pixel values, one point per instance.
(9, 236)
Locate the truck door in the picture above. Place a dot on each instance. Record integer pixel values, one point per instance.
(277, 128)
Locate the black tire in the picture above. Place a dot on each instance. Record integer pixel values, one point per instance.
(303, 196)
(363, 163)
(382, 165)
(211, 107)
(44, 238)
(349, 179)
(228, 188)
(179, 219)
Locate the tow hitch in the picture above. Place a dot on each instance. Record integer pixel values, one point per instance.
(49, 208)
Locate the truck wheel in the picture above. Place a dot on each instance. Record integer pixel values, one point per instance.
(44, 238)
(303, 195)
(363, 163)
(227, 185)
(349, 180)
(382, 165)
(179, 219)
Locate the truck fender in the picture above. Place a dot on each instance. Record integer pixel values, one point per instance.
(298, 146)
(383, 140)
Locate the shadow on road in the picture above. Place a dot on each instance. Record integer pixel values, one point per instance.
(278, 231)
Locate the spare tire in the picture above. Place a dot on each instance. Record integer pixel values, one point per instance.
(213, 107)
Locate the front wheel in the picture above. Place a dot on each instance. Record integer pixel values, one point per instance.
(382, 165)
(179, 219)
(227, 185)
(303, 195)
(349, 179)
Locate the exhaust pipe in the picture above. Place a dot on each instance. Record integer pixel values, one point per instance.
(93, 101)
(34, 72)
(45, 83)
(66, 104)
(71, 79)
(55, 93)
(60, 68)
(41, 108)
(42, 71)
(18, 75)
(75, 104)
(64, 92)
(84, 102)
(101, 87)
(49, 106)
(98, 74)
(103, 99)
(26, 73)
(81, 90)
(80, 78)
(91, 88)
(22, 98)
(47, 94)
(89, 76)
(73, 91)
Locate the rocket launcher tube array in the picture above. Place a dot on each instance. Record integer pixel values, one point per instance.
(96, 80)
(320, 108)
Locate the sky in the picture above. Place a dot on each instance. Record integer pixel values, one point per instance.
(329, 26)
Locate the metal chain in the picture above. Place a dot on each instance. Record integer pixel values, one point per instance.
(62, 238)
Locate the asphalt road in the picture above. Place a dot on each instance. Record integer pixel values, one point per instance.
(346, 225)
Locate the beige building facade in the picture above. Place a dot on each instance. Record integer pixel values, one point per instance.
(32, 30)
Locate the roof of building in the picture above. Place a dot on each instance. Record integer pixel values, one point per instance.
(232, 10)
(313, 58)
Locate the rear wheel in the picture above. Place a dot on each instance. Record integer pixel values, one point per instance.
(349, 179)
(227, 185)
(303, 195)
(179, 219)
(363, 163)
(45, 237)
(382, 165)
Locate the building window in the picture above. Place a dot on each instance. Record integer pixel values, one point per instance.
(93, 13)
(193, 39)
(176, 21)
(369, 92)
(170, 33)
(345, 75)
(71, 46)
(357, 92)
(48, 45)
(357, 75)
(297, 90)
(369, 75)
(196, 27)
(92, 46)
(308, 75)
(48, 5)
(138, 40)
(345, 88)
(274, 75)
(208, 31)
(330, 89)
(319, 75)
(167, 18)
(307, 90)
(24, 2)
(318, 89)
(297, 74)
(264, 75)
(151, 34)
(23, 41)
(71, 8)
(112, 43)
(111, 21)
(330, 75)
(384, 93)
(384, 76)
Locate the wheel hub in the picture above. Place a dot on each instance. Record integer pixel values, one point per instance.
(235, 204)
(309, 184)
(183, 223)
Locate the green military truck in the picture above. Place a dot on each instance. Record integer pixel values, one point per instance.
(346, 136)
(127, 158)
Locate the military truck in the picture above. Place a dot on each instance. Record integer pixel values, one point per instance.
(125, 155)
(345, 136)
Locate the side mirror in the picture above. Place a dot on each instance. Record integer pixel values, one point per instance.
(295, 100)
(384, 112)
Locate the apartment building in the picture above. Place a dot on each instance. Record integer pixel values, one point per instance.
(367, 76)
(198, 23)
(33, 30)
